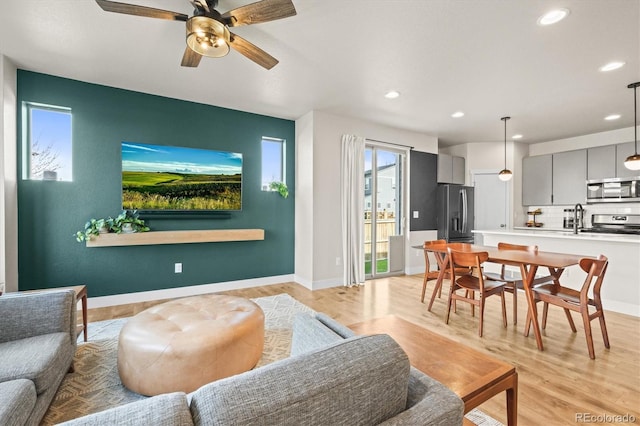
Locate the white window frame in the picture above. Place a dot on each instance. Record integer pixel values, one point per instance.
(283, 162)
(27, 145)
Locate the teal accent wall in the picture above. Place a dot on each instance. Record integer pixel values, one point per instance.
(51, 212)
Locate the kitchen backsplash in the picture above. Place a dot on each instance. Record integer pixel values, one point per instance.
(553, 216)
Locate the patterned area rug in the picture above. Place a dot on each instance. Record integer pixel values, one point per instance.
(95, 384)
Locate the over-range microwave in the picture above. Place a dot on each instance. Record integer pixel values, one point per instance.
(614, 190)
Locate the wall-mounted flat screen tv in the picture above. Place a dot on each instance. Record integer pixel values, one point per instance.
(159, 178)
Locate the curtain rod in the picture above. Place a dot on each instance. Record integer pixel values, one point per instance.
(390, 143)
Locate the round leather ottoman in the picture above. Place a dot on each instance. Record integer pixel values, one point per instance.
(180, 345)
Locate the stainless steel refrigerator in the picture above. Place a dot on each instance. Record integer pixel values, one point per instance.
(455, 213)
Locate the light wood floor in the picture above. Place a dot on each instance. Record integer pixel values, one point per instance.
(555, 385)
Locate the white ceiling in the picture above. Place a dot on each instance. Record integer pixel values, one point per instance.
(487, 58)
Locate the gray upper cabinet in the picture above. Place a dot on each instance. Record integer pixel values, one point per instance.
(601, 162)
(536, 180)
(623, 150)
(450, 169)
(569, 177)
(445, 168)
(457, 175)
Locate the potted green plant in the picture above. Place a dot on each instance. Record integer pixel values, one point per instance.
(94, 227)
(280, 187)
(128, 221)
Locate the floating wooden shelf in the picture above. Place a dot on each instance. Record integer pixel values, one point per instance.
(176, 237)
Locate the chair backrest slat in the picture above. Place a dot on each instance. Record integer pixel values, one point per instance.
(509, 246)
(595, 269)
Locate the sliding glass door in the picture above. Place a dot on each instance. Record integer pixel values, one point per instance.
(384, 178)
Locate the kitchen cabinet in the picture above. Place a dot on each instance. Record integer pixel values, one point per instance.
(569, 176)
(536, 180)
(623, 150)
(451, 169)
(601, 162)
(458, 170)
(554, 179)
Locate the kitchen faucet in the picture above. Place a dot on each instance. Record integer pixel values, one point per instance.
(575, 217)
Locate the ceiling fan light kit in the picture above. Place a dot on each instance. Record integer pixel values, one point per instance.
(208, 37)
(633, 161)
(208, 31)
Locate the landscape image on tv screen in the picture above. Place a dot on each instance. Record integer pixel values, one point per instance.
(171, 178)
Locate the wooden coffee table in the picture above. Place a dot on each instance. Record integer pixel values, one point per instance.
(472, 375)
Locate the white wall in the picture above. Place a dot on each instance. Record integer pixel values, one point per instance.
(323, 170)
(303, 266)
(586, 141)
(8, 184)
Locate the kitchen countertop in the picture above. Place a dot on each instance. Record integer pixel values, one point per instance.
(564, 234)
(620, 292)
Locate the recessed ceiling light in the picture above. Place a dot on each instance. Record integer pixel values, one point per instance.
(392, 94)
(457, 114)
(612, 66)
(553, 17)
(518, 136)
(612, 117)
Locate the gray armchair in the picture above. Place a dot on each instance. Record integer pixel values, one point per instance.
(37, 345)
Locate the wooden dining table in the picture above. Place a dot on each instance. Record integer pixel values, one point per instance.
(528, 262)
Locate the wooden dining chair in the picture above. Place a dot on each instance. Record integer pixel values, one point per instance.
(514, 282)
(577, 300)
(433, 275)
(473, 283)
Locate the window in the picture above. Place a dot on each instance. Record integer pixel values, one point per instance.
(47, 142)
(273, 161)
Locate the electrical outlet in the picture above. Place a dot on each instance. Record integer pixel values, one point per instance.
(338, 261)
(177, 268)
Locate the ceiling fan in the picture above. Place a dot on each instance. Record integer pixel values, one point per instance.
(208, 30)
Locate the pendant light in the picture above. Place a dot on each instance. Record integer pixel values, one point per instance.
(633, 161)
(505, 174)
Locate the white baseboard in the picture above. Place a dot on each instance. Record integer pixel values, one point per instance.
(146, 296)
(621, 307)
(303, 282)
(415, 270)
(334, 282)
(318, 285)
(171, 293)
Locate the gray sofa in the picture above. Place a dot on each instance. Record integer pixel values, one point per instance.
(331, 378)
(37, 345)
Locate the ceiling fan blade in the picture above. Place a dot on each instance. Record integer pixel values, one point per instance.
(190, 58)
(262, 11)
(132, 9)
(203, 4)
(252, 52)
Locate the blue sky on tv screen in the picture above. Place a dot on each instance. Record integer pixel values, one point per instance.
(140, 157)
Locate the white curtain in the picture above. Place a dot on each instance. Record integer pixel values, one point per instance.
(352, 196)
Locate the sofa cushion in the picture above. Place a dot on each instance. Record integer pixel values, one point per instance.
(17, 399)
(170, 409)
(309, 334)
(38, 358)
(358, 381)
(334, 325)
(33, 314)
(429, 402)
